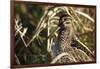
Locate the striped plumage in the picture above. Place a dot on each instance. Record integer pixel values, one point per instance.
(64, 40)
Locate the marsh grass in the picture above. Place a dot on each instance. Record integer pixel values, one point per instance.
(36, 29)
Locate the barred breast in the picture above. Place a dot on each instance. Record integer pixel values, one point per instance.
(63, 43)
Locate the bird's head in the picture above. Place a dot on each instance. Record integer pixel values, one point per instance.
(65, 19)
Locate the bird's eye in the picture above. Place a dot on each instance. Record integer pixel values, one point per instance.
(64, 19)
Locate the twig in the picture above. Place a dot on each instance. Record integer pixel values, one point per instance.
(82, 52)
(61, 55)
(38, 29)
(21, 33)
(17, 60)
(75, 16)
(85, 15)
(84, 46)
(48, 40)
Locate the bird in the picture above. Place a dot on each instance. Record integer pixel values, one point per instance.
(64, 41)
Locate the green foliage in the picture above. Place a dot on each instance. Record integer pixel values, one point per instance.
(41, 24)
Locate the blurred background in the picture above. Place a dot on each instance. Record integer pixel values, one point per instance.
(36, 27)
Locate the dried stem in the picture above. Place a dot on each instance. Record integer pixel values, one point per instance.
(61, 55)
(84, 46)
(17, 60)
